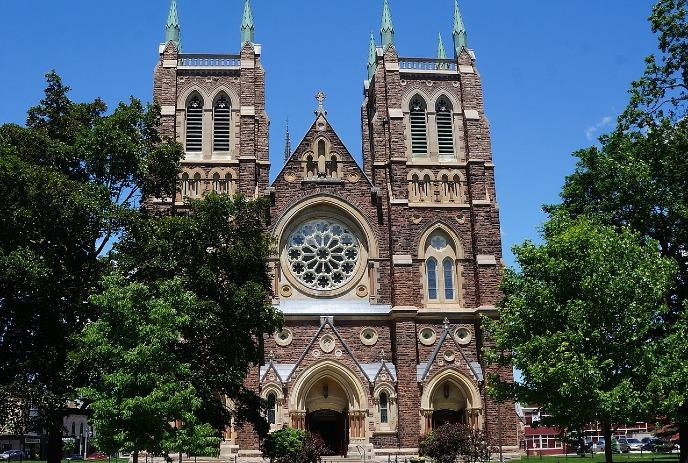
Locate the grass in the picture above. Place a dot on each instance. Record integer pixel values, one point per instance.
(645, 457)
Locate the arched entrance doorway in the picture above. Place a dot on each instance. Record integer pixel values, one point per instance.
(327, 400)
(327, 409)
(450, 398)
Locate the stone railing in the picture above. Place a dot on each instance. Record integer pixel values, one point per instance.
(209, 61)
(427, 64)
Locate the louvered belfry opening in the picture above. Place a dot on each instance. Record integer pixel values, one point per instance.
(419, 132)
(445, 128)
(221, 124)
(194, 125)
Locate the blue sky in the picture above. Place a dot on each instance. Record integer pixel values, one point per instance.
(555, 72)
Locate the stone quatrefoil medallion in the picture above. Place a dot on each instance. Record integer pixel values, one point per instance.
(323, 254)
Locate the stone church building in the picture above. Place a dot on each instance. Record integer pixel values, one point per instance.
(382, 270)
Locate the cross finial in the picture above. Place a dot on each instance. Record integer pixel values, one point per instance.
(382, 355)
(271, 356)
(446, 323)
(320, 96)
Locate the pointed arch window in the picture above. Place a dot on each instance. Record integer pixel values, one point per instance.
(443, 286)
(448, 267)
(445, 128)
(384, 408)
(272, 408)
(194, 124)
(196, 186)
(419, 129)
(431, 267)
(185, 185)
(222, 114)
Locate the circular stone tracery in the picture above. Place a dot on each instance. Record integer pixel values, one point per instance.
(323, 254)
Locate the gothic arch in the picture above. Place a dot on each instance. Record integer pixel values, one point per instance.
(442, 92)
(467, 401)
(231, 94)
(186, 94)
(432, 228)
(332, 371)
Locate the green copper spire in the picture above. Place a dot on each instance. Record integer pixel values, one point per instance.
(173, 30)
(372, 56)
(247, 26)
(459, 33)
(441, 54)
(387, 29)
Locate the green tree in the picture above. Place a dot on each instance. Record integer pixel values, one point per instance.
(290, 445)
(456, 442)
(71, 179)
(638, 177)
(577, 320)
(218, 253)
(141, 396)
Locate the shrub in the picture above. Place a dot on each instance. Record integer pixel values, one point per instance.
(449, 442)
(290, 445)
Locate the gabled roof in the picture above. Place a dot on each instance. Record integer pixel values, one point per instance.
(313, 132)
(369, 370)
(423, 369)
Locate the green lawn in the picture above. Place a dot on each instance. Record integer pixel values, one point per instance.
(645, 457)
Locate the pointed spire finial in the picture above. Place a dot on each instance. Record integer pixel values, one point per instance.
(173, 29)
(459, 32)
(387, 29)
(287, 144)
(441, 53)
(248, 28)
(372, 56)
(446, 323)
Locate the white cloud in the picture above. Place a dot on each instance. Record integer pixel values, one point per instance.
(591, 131)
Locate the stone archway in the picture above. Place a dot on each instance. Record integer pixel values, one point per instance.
(450, 397)
(328, 399)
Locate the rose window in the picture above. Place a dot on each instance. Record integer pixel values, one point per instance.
(323, 254)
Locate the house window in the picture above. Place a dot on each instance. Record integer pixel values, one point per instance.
(445, 128)
(272, 408)
(194, 125)
(221, 124)
(419, 132)
(384, 408)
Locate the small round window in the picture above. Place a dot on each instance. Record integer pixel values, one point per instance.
(463, 336)
(323, 254)
(284, 337)
(368, 337)
(427, 336)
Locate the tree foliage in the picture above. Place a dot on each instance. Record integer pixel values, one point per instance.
(638, 177)
(217, 255)
(578, 319)
(142, 397)
(69, 181)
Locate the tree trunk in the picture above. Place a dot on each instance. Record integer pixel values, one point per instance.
(135, 456)
(683, 434)
(607, 431)
(54, 445)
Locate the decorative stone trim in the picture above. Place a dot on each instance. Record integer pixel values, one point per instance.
(169, 63)
(472, 114)
(168, 110)
(486, 260)
(466, 69)
(286, 291)
(427, 336)
(449, 356)
(327, 343)
(248, 64)
(284, 337)
(369, 336)
(248, 110)
(396, 113)
(392, 66)
(402, 260)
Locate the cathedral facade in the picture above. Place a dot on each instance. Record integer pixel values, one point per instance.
(382, 271)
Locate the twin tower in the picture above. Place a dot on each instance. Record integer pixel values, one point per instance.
(382, 271)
